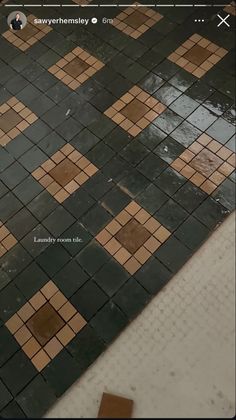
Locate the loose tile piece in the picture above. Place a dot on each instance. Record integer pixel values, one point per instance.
(115, 407)
(197, 55)
(135, 21)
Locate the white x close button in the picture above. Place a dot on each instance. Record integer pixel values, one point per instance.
(223, 20)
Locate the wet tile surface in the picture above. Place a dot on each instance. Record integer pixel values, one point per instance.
(117, 161)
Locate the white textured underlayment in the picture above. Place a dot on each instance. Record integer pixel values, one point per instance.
(177, 358)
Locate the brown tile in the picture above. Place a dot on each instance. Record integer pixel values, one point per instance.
(187, 155)
(195, 147)
(65, 335)
(187, 171)
(142, 255)
(217, 178)
(226, 169)
(152, 244)
(135, 19)
(162, 234)
(67, 311)
(208, 186)
(37, 300)
(224, 153)
(103, 237)
(22, 335)
(9, 120)
(76, 67)
(31, 347)
(90, 170)
(152, 225)
(133, 208)
(132, 236)
(231, 160)
(26, 312)
(53, 347)
(113, 406)
(40, 360)
(132, 265)
(112, 246)
(113, 227)
(27, 32)
(197, 179)
(57, 158)
(135, 110)
(49, 289)
(45, 323)
(123, 217)
(61, 196)
(64, 172)
(14, 323)
(3, 232)
(142, 216)
(77, 323)
(58, 300)
(178, 164)
(197, 55)
(122, 256)
(9, 242)
(38, 173)
(206, 162)
(214, 146)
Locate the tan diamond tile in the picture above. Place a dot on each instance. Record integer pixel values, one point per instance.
(132, 237)
(197, 55)
(206, 163)
(29, 35)
(76, 67)
(15, 117)
(7, 240)
(45, 324)
(135, 110)
(64, 172)
(135, 21)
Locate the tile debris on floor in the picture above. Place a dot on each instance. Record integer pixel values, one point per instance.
(115, 407)
(117, 159)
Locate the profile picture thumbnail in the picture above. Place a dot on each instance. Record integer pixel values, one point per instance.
(17, 21)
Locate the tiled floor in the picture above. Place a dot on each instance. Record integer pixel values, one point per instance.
(116, 163)
(173, 348)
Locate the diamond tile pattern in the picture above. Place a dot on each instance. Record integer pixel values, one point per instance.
(132, 237)
(15, 117)
(135, 110)
(197, 55)
(29, 35)
(117, 161)
(135, 21)
(45, 324)
(206, 163)
(64, 172)
(76, 67)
